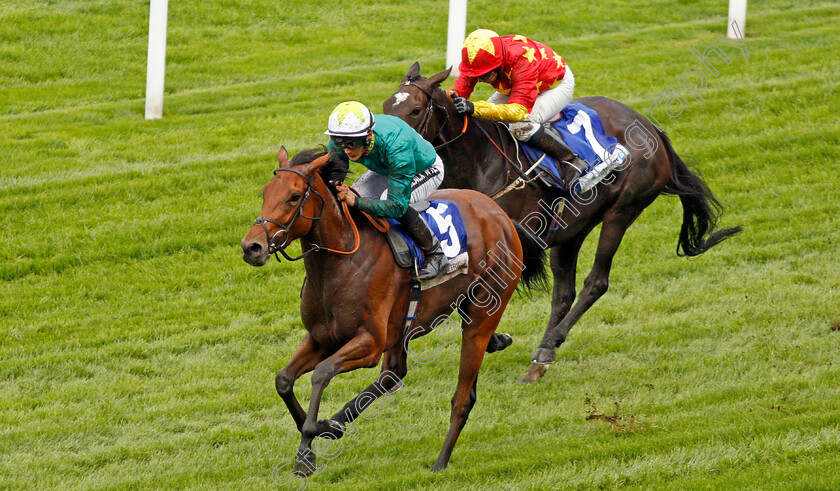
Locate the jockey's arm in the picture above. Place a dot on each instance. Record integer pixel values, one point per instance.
(401, 171)
(521, 99)
(463, 86)
(503, 113)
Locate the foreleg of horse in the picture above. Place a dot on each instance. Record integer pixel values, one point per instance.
(304, 360)
(359, 352)
(473, 344)
(563, 267)
(594, 286)
(394, 368)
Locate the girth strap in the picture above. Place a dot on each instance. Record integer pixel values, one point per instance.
(413, 306)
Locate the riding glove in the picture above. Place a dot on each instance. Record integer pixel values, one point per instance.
(463, 106)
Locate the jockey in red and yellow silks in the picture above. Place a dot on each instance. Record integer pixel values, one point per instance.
(533, 85)
(527, 69)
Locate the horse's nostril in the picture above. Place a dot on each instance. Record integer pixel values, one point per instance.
(255, 248)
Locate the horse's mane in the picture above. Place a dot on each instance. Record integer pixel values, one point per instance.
(334, 169)
(435, 87)
(307, 156)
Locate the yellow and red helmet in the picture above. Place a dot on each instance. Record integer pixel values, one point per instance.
(482, 52)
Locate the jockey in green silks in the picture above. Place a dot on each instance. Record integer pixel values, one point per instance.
(402, 168)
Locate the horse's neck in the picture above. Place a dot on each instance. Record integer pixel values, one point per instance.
(334, 231)
(473, 162)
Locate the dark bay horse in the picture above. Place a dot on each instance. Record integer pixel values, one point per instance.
(354, 299)
(482, 155)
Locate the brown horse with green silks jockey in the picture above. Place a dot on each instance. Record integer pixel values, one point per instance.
(354, 303)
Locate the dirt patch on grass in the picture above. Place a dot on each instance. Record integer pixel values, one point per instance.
(835, 326)
(618, 421)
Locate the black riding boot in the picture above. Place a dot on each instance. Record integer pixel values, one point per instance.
(548, 139)
(436, 261)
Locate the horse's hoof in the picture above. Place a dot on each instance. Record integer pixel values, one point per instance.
(534, 373)
(498, 342)
(331, 427)
(304, 467)
(544, 356)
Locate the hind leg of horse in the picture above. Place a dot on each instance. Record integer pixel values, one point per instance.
(564, 258)
(394, 368)
(473, 344)
(595, 285)
(478, 326)
(304, 360)
(499, 342)
(359, 352)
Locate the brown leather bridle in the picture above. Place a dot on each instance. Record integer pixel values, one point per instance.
(274, 249)
(428, 116)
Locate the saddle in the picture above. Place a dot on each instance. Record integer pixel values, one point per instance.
(582, 130)
(408, 255)
(398, 244)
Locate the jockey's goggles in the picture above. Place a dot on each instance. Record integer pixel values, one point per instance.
(349, 143)
(487, 76)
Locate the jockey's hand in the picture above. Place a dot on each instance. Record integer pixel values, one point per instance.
(463, 106)
(345, 194)
(452, 94)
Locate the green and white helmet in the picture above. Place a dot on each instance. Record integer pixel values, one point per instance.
(349, 119)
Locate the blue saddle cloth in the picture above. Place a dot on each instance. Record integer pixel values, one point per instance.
(581, 129)
(444, 219)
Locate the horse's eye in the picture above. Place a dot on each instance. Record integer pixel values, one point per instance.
(295, 198)
(415, 111)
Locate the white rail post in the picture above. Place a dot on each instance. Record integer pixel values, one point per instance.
(738, 15)
(456, 34)
(156, 64)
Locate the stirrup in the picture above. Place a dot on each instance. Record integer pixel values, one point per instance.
(571, 176)
(434, 266)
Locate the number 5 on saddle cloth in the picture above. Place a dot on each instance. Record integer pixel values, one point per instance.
(444, 220)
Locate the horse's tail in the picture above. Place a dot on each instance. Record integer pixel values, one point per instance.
(533, 257)
(701, 209)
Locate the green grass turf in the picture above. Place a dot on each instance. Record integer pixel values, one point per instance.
(137, 350)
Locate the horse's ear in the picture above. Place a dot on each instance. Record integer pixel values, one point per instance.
(320, 162)
(435, 80)
(282, 155)
(412, 72)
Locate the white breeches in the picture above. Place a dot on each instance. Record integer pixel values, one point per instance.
(375, 186)
(547, 106)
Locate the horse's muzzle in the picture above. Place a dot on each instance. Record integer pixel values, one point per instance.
(254, 252)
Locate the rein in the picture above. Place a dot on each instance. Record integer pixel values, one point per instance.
(516, 168)
(428, 116)
(523, 177)
(274, 249)
(463, 130)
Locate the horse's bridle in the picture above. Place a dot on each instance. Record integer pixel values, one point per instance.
(261, 221)
(427, 117)
(274, 249)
